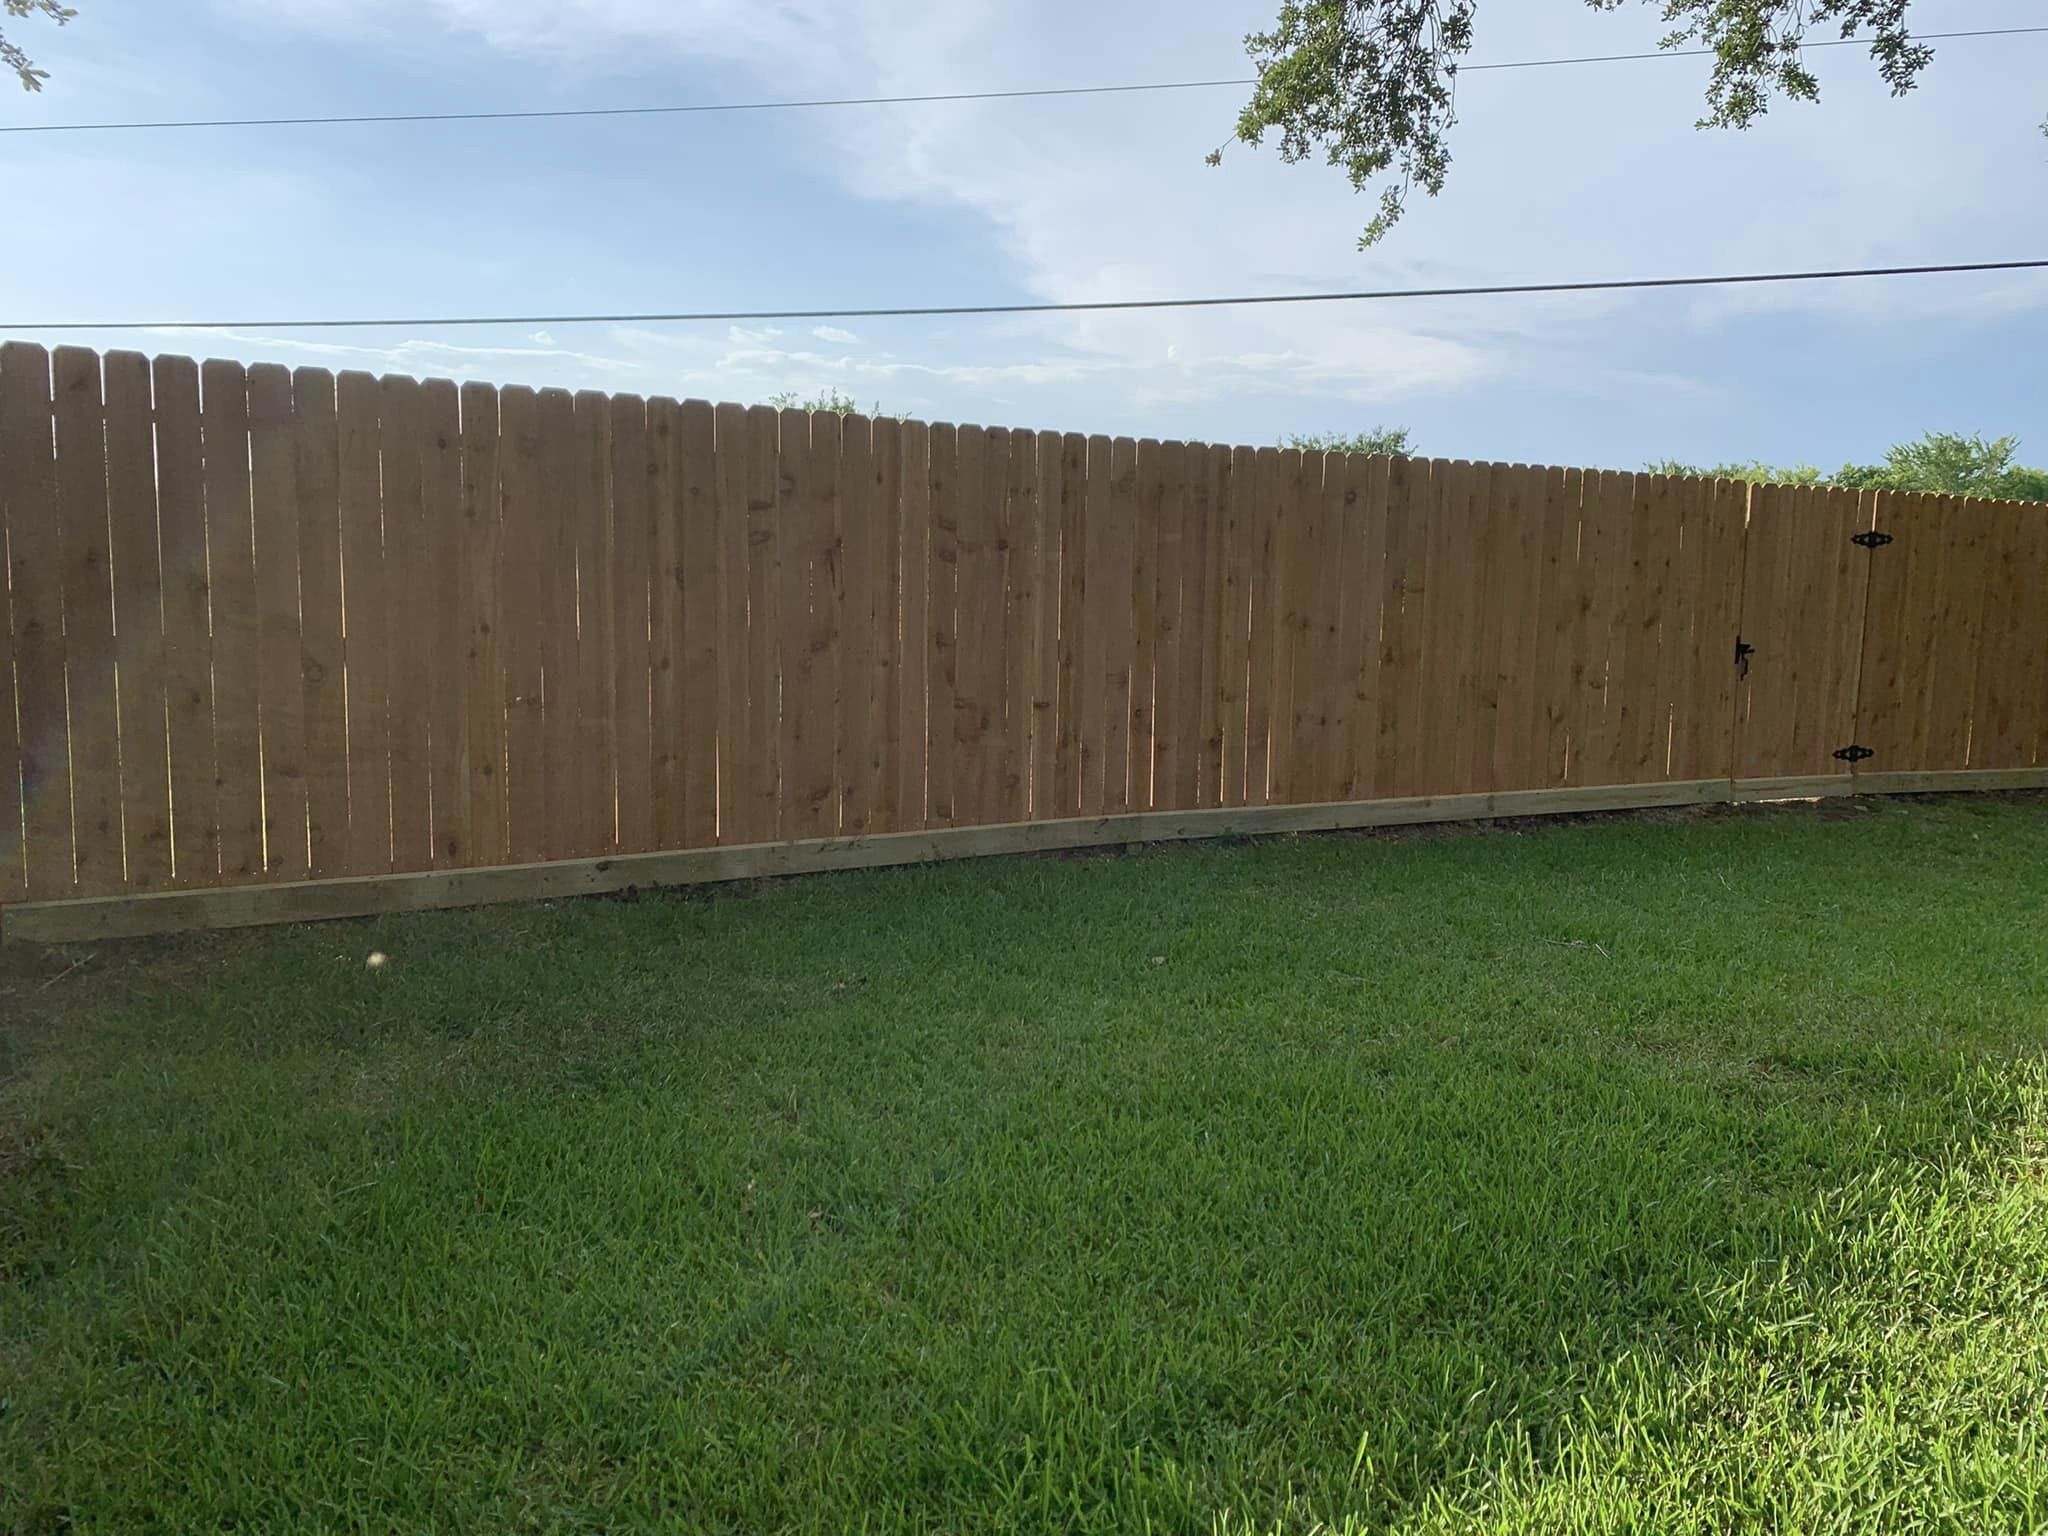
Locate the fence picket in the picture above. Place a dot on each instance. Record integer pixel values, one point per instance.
(1045, 630)
(913, 513)
(1518, 492)
(732, 443)
(88, 622)
(408, 598)
(858, 683)
(697, 622)
(1020, 629)
(231, 579)
(483, 580)
(942, 499)
(36, 580)
(524, 560)
(138, 632)
(976, 725)
(1097, 591)
(1237, 492)
(664, 620)
(316, 467)
(280, 683)
(443, 577)
(590, 504)
(764, 597)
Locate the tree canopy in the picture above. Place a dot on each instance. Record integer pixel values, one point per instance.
(1947, 463)
(1371, 84)
(1387, 440)
(12, 55)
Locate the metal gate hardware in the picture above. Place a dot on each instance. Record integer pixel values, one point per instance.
(1872, 539)
(1743, 651)
(1854, 754)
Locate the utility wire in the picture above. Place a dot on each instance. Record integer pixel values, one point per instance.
(1489, 290)
(882, 101)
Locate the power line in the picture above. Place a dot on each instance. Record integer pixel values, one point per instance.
(689, 108)
(1489, 290)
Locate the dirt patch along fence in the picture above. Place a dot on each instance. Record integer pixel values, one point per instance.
(281, 643)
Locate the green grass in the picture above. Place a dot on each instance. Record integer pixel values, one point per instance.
(1686, 1173)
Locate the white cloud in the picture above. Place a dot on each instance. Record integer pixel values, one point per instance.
(1565, 173)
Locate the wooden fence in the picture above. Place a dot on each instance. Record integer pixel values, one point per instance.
(286, 643)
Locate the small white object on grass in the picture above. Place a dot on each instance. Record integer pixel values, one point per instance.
(376, 960)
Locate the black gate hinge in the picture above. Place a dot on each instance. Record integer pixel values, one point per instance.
(1854, 753)
(1872, 540)
(1743, 651)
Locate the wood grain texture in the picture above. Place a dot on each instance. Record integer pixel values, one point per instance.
(280, 683)
(664, 619)
(697, 585)
(942, 501)
(13, 844)
(1724, 554)
(316, 467)
(482, 622)
(188, 640)
(1094, 590)
(1071, 660)
(444, 577)
(982, 472)
(913, 516)
(857, 686)
(1237, 519)
(764, 597)
(88, 599)
(737, 776)
(523, 560)
(591, 530)
(1114, 627)
(1518, 508)
(1365, 494)
(409, 625)
(810, 601)
(631, 656)
(1044, 725)
(1409, 508)
(35, 579)
(884, 705)
(1021, 573)
(1194, 782)
(1143, 600)
(1959, 618)
(1171, 787)
(1556, 691)
(138, 631)
(231, 578)
(1274, 478)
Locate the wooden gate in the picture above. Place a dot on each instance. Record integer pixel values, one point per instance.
(1799, 656)
(1955, 676)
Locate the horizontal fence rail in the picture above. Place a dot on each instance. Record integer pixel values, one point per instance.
(266, 628)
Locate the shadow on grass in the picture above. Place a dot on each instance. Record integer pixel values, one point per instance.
(1682, 1176)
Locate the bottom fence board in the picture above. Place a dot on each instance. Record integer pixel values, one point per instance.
(362, 896)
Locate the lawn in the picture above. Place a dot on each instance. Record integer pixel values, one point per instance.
(1676, 1173)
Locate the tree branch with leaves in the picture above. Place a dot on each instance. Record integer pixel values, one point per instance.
(1371, 85)
(12, 55)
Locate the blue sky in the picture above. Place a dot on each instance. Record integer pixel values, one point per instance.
(1561, 174)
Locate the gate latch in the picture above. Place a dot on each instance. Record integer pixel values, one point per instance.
(1743, 651)
(1854, 753)
(1872, 540)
